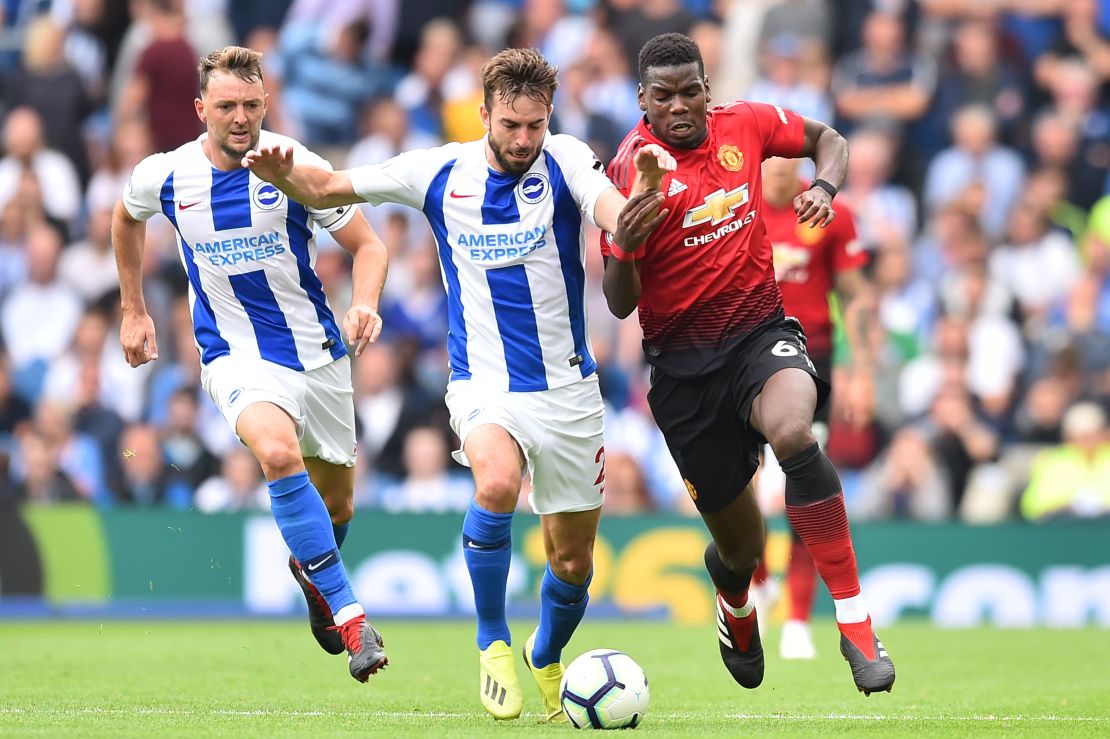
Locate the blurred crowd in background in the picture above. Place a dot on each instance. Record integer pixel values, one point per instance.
(980, 147)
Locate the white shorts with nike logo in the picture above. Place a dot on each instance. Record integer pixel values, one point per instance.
(560, 432)
(320, 401)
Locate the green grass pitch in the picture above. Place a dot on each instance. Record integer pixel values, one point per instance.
(268, 678)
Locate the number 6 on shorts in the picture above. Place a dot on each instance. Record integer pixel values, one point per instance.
(784, 349)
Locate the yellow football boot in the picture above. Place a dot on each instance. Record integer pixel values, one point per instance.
(498, 686)
(549, 680)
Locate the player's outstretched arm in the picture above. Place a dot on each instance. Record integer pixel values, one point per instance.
(362, 323)
(308, 185)
(136, 333)
(829, 151)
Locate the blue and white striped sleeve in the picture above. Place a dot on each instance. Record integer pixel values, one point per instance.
(404, 179)
(143, 191)
(584, 172)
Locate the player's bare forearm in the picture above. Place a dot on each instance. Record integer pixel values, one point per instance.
(362, 322)
(621, 285)
(829, 151)
(318, 188)
(127, 242)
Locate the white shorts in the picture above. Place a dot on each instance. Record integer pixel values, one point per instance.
(560, 431)
(320, 401)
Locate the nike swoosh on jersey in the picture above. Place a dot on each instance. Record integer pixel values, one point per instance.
(186, 206)
(456, 195)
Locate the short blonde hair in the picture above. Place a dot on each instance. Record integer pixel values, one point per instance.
(514, 72)
(246, 64)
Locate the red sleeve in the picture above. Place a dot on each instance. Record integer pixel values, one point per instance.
(846, 252)
(622, 173)
(781, 131)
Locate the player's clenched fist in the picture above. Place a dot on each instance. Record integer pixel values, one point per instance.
(136, 336)
(814, 206)
(654, 161)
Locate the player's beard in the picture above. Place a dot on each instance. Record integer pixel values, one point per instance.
(227, 147)
(512, 166)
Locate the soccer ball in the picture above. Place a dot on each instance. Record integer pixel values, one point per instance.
(604, 689)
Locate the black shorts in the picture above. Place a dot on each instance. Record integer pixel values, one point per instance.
(705, 419)
(823, 364)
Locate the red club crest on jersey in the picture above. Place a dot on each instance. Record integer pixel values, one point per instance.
(730, 157)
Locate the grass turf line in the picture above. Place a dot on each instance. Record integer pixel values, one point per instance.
(243, 678)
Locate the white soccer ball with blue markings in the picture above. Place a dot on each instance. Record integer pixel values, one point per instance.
(605, 689)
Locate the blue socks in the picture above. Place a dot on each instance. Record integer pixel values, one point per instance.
(562, 606)
(487, 549)
(340, 531)
(306, 527)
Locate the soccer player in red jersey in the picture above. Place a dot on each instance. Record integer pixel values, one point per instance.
(809, 264)
(729, 370)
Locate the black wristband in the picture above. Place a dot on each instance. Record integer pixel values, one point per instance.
(824, 185)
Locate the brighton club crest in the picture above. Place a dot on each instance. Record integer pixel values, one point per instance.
(730, 157)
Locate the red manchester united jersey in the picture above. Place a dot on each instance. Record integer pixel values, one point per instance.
(707, 273)
(807, 261)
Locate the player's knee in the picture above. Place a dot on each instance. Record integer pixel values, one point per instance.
(277, 457)
(341, 508)
(497, 491)
(572, 565)
(742, 557)
(791, 436)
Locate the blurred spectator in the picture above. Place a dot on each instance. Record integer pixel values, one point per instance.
(326, 78)
(39, 317)
(238, 486)
(428, 486)
(41, 480)
(93, 419)
(976, 161)
(423, 91)
(905, 482)
(88, 266)
(420, 313)
(14, 223)
(612, 91)
(781, 82)
(1073, 480)
(1036, 265)
(29, 163)
(885, 213)
(182, 447)
(15, 411)
(164, 84)
(978, 74)
(959, 437)
(996, 354)
(48, 85)
(625, 487)
(882, 83)
(1075, 96)
(123, 388)
(388, 409)
(76, 454)
(574, 115)
(634, 22)
(146, 479)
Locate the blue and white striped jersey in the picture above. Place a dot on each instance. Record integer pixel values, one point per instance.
(511, 252)
(249, 253)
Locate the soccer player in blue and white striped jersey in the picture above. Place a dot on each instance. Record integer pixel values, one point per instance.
(507, 214)
(272, 355)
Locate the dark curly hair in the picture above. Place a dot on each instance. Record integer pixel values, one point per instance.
(670, 50)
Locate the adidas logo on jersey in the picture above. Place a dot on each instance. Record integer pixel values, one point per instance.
(675, 188)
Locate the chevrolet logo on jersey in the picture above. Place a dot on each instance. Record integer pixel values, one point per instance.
(719, 206)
